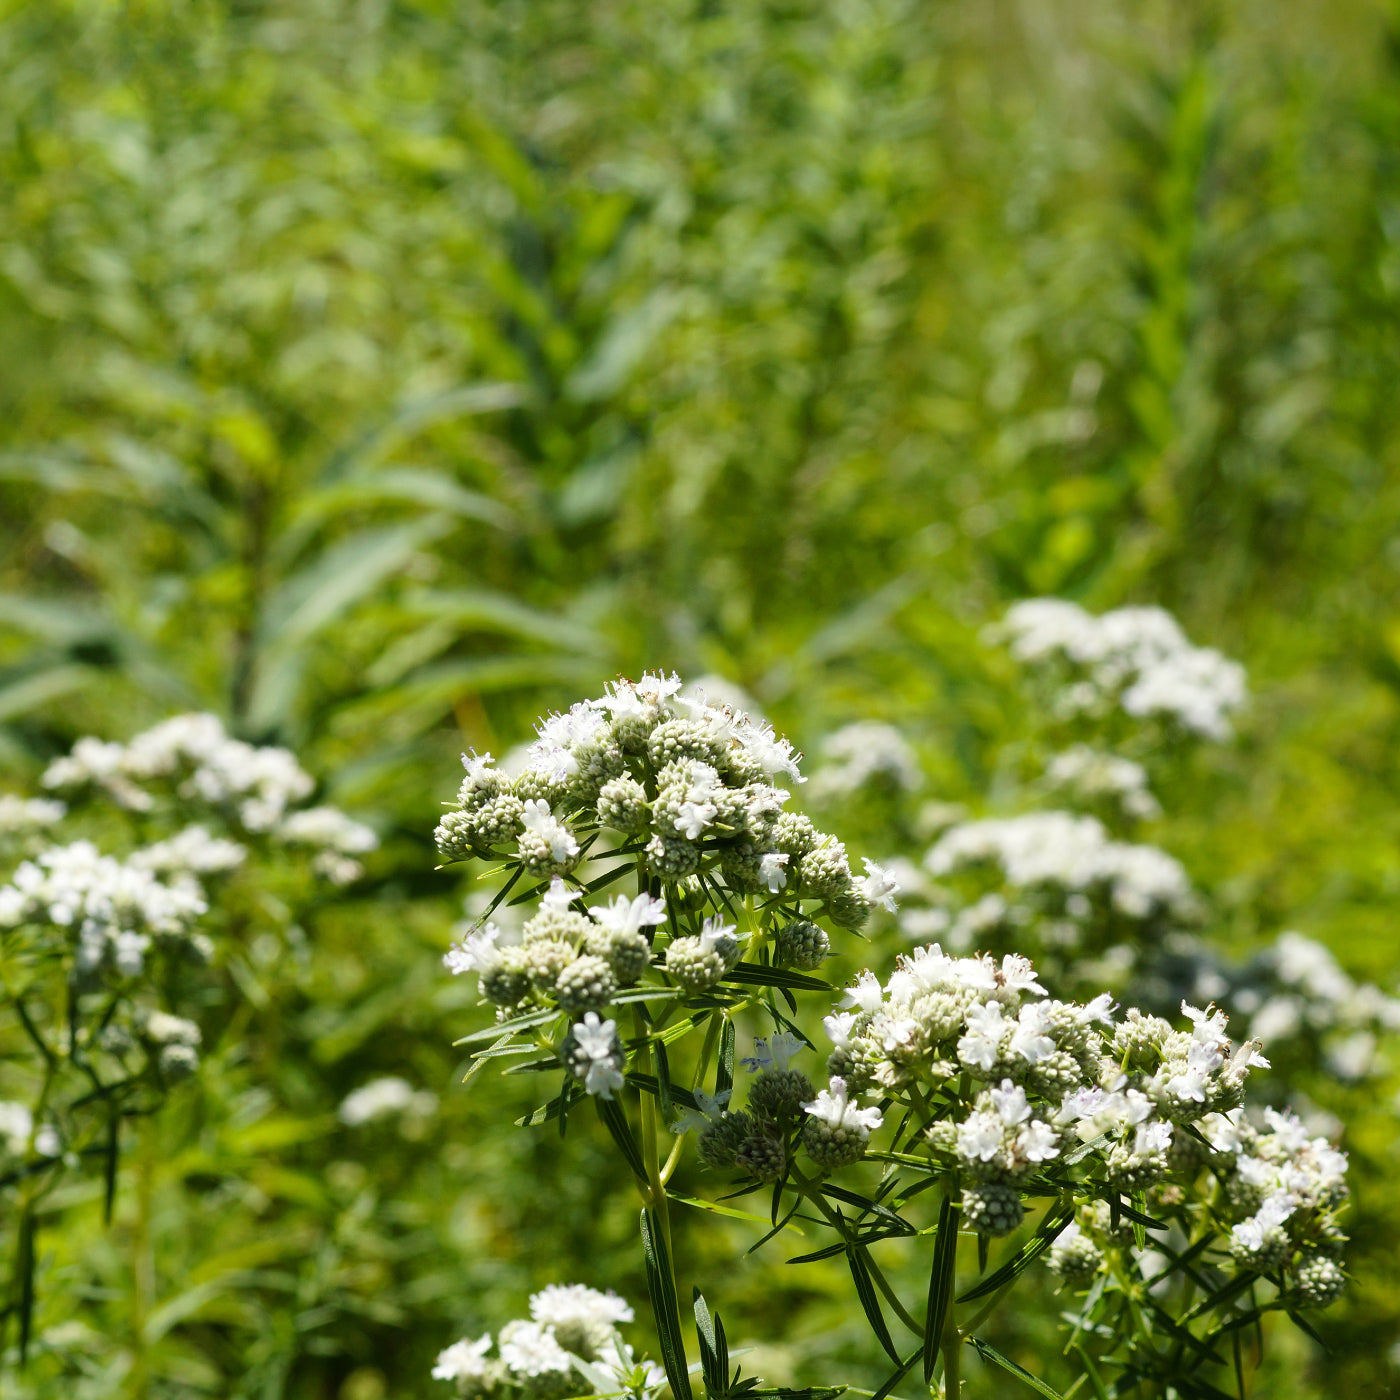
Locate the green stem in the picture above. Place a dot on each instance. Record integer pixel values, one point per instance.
(650, 1152)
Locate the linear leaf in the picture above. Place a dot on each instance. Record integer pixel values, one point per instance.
(760, 975)
(661, 1286)
(724, 1074)
(1045, 1235)
(715, 1369)
(989, 1353)
(865, 1291)
(904, 1368)
(615, 1120)
(940, 1284)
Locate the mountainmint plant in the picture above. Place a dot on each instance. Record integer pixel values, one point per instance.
(965, 1103)
(109, 916)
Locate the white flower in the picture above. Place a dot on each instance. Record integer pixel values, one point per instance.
(537, 818)
(1037, 1142)
(530, 1349)
(771, 753)
(1028, 1038)
(628, 916)
(772, 872)
(861, 752)
(165, 1029)
(559, 896)
(867, 993)
(379, 1097)
(463, 1361)
(775, 1052)
(192, 849)
(838, 1028)
(19, 814)
(477, 952)
(981, 1046)
(715, 936)
(559, 1304)
(1152, 1139)
(16, 1126)
(598, 1055)
(880, 887)
(833, 1107)
(619, 1361)
(692, 819)
(1010, 1103)
(1252, 1235)
(979, 1137)
(710, 1107)
(1071, 852)
(329, 827)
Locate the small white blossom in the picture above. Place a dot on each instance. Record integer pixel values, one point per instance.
(462, 1361)
(880, 887)
(833, 1107)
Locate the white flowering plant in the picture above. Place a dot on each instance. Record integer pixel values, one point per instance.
(960, 1096)
(570, 1345)
(117, 896)
(1057, 869)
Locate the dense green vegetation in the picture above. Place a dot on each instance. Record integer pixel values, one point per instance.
(379, 375)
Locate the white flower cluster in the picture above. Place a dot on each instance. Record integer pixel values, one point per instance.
(1094, 776)
(24, 816)
(382, 1097)
(113, 907)
(1038, 1069)
(862, 753)
(1074, 853)
(191, 851)
(568, 1346)
(256, 786)
(1137, 659)
(1279, 1193)
(1300, 989)
(689, 782)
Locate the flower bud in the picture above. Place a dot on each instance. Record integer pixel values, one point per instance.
(587, 984)
(993, 1208)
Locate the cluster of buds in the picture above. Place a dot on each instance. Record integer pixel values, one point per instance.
(689, 786)
(759, 1138)
(569, 1345)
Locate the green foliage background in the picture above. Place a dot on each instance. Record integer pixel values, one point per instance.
(378, 374)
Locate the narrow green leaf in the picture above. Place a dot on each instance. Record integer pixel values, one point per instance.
(716, 1373)
(661, 1286)
(724, 1074)
(663, 1080)
(615, 1120)
(24, 1267)
(1303, 1325)
(989, 1353)
(865, 1291)
(897, 1223)
(940, 1283)
(905, 1367)
(1091, 1371)
(1045, 1235)
(571, 1091)
(760, 975)
(734, 1213)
